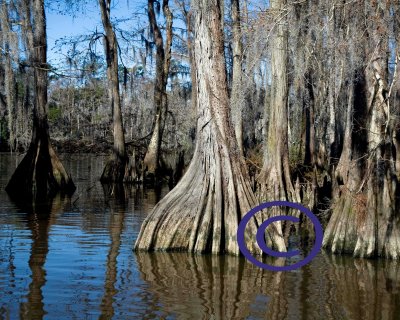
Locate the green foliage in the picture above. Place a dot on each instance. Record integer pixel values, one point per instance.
(54, 112)
(20, 90)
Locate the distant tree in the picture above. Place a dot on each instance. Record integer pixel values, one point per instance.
(163, 61)
(117, 169)
(40, 172)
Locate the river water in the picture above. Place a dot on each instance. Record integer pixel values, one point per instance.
(73, 259)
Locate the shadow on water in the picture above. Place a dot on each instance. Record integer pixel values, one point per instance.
(223, 287)
(38, 215)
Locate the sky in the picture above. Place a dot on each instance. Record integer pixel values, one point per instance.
(63, 24)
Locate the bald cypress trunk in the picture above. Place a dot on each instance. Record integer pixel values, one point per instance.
(163, 60)
(118, 167)
(9, 78)
(202, 213)
(365, 214)
(40, 173)
(237, 94)
(274, 179)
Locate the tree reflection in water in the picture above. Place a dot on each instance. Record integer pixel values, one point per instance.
(366, 289)
(75, 259)
(224, 287)
(115, 196)
(40, 215)
(211, 286)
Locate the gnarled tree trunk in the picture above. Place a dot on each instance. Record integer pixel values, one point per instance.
(40, 173)
(202, 213)
(365, 215)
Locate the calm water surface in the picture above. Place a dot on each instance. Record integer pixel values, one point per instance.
(73, 259)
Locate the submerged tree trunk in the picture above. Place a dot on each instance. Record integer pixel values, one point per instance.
(40, 173)
(202, 213)
(118, 168)
(365, 215)
(274, 179)
(163, 60)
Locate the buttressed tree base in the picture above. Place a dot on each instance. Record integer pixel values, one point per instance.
(202, 213)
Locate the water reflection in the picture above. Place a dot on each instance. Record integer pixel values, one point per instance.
(204, 287)
(74, 259)
(116, 196)
(366, 289)
(39, 216)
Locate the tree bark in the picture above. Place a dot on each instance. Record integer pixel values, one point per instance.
(340, 232)
(331, 129)
(237, 94)
(369, 207)
(9, 78)
(40, 173)
(163, 60)
(188, 15)
(274, 179)
(202, 213)
(117, 168)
